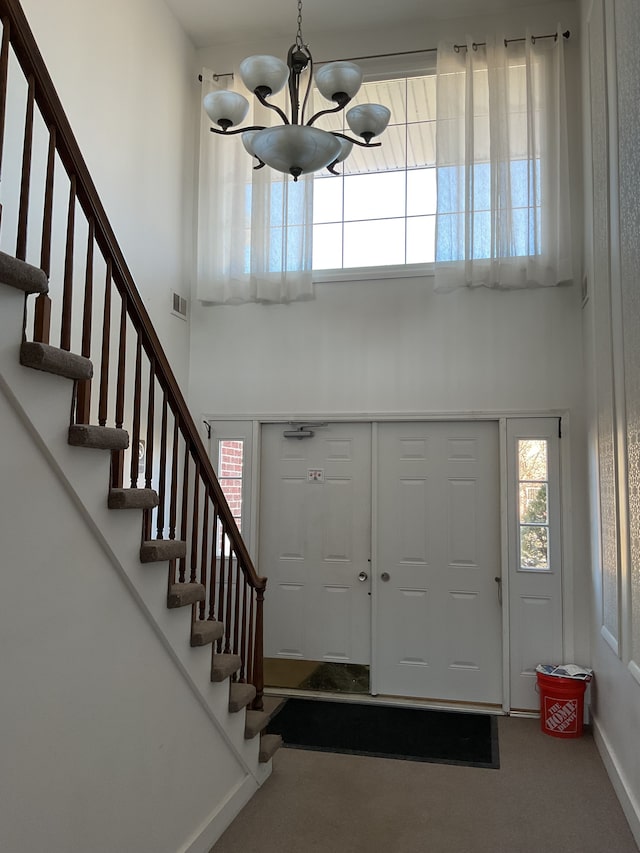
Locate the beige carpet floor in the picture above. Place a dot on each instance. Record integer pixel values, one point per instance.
(549, 796)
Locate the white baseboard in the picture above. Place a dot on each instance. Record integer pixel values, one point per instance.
(628, 800)
(212, 828)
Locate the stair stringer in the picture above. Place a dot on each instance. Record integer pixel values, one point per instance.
(43, 403)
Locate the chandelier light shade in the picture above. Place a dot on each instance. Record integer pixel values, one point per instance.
(226, 109)
(267, 74)
(368, 120)
(296, 147)
(308, 148)
(335, 80)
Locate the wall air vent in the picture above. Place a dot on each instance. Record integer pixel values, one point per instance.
(179, 305)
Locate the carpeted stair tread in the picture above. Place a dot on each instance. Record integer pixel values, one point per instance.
(223, 666)
(205, 632)
(133, 499)
(181, 594)
(54, 360)
(21, 275)
(98, 437)
(256, 722)
(240, 695)
(269, 745)
(161, 550)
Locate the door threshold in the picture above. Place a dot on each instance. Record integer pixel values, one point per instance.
(380, 699)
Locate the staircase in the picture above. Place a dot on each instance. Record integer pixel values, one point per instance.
(203, 632)
(124, 397)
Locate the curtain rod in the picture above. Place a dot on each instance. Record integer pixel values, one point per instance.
(216, 77)
(566, 34)
(476, 44)
(457, 47)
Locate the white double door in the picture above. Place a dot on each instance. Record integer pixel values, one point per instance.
(384, 549)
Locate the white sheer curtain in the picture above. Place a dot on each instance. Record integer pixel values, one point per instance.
(254, 235)
(503, 216)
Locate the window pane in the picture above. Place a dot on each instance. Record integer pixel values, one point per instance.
(421, 144)
(524, 182)
(421, 98)
(374, 196)
(482, 186)
(526, 234)
(391, 93)
(533, 503)
(421, 192)
(327, 247)
(233, 493)
(480, 237)
(532, 459)
(230, 454)
(327, 199)
(230, 469)
(390, 155)
(375, 243)
(481, 138)
(421, 239)
(534, 548)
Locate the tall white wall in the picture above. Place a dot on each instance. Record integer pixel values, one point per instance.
(123, 71)
(393, 346)
(611, 77)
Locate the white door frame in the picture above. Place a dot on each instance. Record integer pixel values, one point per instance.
(501, 417)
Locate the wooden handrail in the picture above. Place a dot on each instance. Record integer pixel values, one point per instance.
(32, 63)
(82, 192)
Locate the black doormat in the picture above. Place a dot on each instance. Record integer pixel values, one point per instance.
(413, 734)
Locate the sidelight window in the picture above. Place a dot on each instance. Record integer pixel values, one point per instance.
(533, 503)
(231, 455)
(230, 475)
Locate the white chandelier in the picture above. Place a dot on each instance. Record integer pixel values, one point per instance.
(296, 147)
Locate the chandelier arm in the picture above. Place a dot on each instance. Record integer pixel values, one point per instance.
(356, 141)
(261, 164)
(265, 103)
(237, 130)
(298, 58)
(293, 84)
(336, 109)
(308, 90)
(332, 168)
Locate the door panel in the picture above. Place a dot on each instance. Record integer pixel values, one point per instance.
(315, 539)
(438, 553)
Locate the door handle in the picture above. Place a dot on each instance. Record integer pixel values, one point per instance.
(385, 576)
(363, 576)
(498, 580)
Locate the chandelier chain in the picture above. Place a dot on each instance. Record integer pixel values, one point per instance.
(299, 40)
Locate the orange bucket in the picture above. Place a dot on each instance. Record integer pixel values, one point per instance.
(561, 705)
